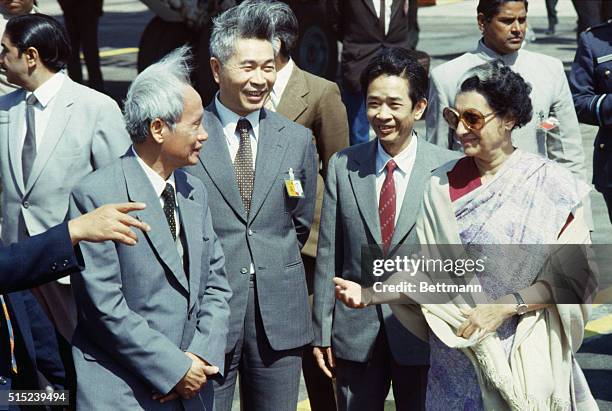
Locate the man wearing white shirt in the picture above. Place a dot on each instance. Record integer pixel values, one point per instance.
(53, 132)
(153, 318)
(372, 197)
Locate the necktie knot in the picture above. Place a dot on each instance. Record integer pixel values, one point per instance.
(391, 166)
(31, 100)
(243, 127)
(168, 193)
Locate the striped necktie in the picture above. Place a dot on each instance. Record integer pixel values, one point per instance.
(11, 335)
(386, 207)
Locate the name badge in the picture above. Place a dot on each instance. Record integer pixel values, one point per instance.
(293, 186)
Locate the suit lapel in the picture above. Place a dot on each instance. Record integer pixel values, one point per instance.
(271, 147)
(139, 189)
(16, 125)
(370, 5)
(216, 160)
(293, 103)
(413, 196)
(191, 214)
(58, 121)
(363, 181)
(395, 6)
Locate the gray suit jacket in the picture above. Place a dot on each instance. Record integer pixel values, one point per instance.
(85, 131)
(138, 309)
(349, 221)
(274, 231)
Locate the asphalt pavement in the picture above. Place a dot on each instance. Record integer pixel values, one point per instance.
(447, 31)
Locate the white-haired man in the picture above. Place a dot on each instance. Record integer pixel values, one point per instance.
(152, 318)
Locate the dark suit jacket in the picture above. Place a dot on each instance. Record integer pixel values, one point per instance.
(315, 103)
(37, 260)
(274, 230)
(590, 82)
(358, 28)
(35, 345)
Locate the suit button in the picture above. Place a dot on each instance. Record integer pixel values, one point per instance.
(2, 380)
(65, 263)
(607, 73)
(26, 204)
(602, 146)
(54, 267)
(250, 232)
(243, 270)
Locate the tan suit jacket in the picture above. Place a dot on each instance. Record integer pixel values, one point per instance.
(315, 103)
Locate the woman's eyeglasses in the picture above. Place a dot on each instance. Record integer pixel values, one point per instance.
(471, 118)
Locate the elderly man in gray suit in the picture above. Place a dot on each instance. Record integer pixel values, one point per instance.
(259, 169)
(372, 197)
(53, 132)
(503, 24)
(153, 317)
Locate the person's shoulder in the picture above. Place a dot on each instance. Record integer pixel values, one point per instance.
(11, 99)
(283, 123)
(87, 95)
(315, 82)
(105, 176)
(543, 60)
(453, 68)
(605, 27)
(436, 155)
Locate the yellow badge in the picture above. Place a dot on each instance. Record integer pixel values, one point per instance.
(293, 186)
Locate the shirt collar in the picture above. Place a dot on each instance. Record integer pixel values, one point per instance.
(49, 89)
(404, 159)
(229, 119)
(282, 78)
(158, 183)
(489, 54)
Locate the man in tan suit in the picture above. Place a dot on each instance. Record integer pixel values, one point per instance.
(315, 103)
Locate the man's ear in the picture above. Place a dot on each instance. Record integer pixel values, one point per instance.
(156, 128)
(32, 57)
(419, 108)
(482, 20)
(508, 123)
(215, 66)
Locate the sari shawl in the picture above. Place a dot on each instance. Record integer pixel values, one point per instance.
(528, 201)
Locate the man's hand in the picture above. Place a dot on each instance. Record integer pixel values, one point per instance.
(349, 293)
(193, 381)
(322, 354)
(109, 222)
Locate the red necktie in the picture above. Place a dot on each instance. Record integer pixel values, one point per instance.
(386, 206)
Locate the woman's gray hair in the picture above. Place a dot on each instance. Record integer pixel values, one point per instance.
(248, 20)
(157, 92)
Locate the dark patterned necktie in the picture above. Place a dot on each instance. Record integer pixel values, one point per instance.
(386, 206)
(28, 154)
(169, 203)
(243, 164)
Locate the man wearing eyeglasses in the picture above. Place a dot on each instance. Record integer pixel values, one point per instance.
(553, 131)
(372, 197)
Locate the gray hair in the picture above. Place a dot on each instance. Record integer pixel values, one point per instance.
(248, 20)
(157, 92)
(284, 24)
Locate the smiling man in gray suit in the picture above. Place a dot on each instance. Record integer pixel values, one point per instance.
(152, 318)
(53, 132)
(373, 195)
(253, 166)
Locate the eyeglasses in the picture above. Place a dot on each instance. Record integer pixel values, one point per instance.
(471, 118)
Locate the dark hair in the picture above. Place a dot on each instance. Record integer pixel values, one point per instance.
(505, 91)
(43, 33)
(399, 62)
(491, 7)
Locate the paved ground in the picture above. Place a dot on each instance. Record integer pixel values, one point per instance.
(447, 30)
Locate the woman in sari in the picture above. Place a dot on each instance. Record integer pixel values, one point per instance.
(509, 355)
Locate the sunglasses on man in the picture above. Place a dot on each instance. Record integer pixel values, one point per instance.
(471, 118)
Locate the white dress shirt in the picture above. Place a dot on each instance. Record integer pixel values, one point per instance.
(405, 162)
(388, 4)
(159, 184)
(282, 79)
(229, 120)
(45, 94)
